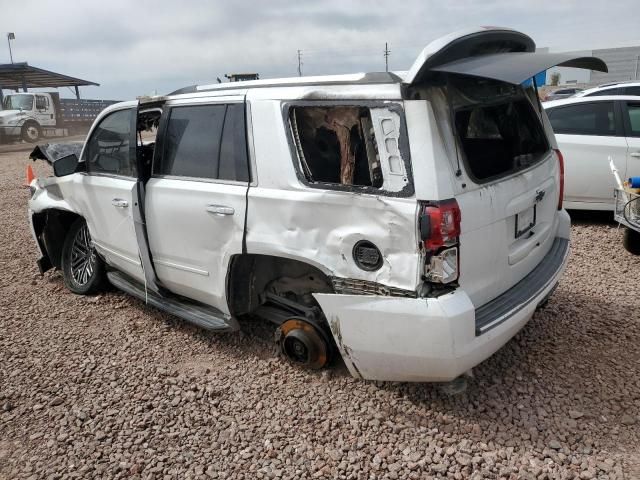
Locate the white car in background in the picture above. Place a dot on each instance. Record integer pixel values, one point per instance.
(625, 88)
(589, 130)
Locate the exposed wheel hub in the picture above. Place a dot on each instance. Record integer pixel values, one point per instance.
(302, 344)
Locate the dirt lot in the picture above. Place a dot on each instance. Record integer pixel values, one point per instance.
(105, 387)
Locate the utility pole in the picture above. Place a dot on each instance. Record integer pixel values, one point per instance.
(299, 63)
(10, 36)
(386, 57)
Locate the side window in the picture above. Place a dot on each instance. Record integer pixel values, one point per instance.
(205, 141)
(234, 164)
(633, 111)
(602, 93)
(42, 102)
(632, 91)
(584, 119)
(107, 151)
(338, 145)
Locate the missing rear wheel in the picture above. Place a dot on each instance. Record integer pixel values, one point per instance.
(303, 345)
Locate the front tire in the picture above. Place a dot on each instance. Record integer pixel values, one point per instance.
(82, 268)
(631, 241)
(31, 132)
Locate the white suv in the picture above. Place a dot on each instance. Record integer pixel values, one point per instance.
(410, 224)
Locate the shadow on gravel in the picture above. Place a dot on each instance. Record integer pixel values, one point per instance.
(591, 217)
(564, 376)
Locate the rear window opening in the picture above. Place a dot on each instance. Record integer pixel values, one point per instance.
(337, 145)
(498, 129)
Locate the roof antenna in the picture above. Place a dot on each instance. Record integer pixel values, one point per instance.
(453, 125)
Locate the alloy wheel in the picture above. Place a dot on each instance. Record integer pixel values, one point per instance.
(83, 257)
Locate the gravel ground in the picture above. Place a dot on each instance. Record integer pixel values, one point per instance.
(105, 387)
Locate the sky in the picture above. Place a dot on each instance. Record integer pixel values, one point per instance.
(144, 47)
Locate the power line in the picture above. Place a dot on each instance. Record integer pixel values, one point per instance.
(387, 52)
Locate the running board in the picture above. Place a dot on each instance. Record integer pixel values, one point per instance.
(199, 314)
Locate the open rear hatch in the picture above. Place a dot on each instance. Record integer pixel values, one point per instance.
(505, 171)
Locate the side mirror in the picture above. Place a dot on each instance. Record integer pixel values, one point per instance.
(66, 165)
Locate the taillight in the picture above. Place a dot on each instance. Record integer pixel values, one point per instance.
(561, 165)
(439, 231)
(440, 224)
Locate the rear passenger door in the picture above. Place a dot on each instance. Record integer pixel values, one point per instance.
(587, 134)
(631, 114)
(196, 197)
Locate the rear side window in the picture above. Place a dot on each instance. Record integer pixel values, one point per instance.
(632, 90)
(602, 93)
(584, 119)
(497, 127)
(342, 146)
(633, 111)
(205, 141)
(107, 150)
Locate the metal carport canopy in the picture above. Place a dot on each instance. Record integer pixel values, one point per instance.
(15, 76)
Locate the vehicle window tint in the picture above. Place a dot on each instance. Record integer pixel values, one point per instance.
(632, 91)
(233, 163)
(107, 151)
(191, 144)
(602, 93)
(584, 119)
(633, 111)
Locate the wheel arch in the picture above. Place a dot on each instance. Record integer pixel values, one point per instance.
(50, 227)
(250, 275)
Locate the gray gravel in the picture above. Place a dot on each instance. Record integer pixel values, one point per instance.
(105, 387)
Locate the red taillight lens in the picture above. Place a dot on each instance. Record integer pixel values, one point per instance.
(440, 224)
(561, 165)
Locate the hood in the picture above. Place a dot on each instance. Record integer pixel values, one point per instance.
(8, 113)
(50, 152)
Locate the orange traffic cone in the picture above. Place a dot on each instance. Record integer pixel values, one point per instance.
(30, 176)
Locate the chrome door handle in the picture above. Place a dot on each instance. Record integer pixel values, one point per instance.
(220, 209)
(635, 154)
(120, 203)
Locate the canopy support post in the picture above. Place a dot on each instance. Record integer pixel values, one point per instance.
(77, 92)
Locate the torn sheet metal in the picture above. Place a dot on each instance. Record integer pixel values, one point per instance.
(51, 152)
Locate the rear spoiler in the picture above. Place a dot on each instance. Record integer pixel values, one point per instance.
(51, 152)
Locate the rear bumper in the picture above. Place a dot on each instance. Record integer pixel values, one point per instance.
(434, 339)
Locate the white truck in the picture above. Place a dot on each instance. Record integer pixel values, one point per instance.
(31, 116)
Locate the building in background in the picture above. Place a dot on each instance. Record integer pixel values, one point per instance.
(623, 63)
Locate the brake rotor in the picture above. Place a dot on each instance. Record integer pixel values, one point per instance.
(301, 343)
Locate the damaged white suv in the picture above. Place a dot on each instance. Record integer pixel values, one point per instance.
(410, 223)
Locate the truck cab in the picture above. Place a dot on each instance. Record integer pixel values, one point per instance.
(28, 116)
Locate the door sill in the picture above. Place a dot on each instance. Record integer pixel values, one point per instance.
(197, 313)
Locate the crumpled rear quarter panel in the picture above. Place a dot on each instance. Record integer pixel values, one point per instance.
(286, 218)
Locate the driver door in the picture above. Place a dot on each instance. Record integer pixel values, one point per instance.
(107, 190)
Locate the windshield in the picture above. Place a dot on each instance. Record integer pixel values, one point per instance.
(17, 102)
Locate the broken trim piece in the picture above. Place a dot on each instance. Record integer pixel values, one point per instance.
(352, 286)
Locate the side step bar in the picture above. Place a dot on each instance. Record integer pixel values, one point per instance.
(199, 314)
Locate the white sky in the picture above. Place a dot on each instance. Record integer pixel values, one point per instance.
(138, 47)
